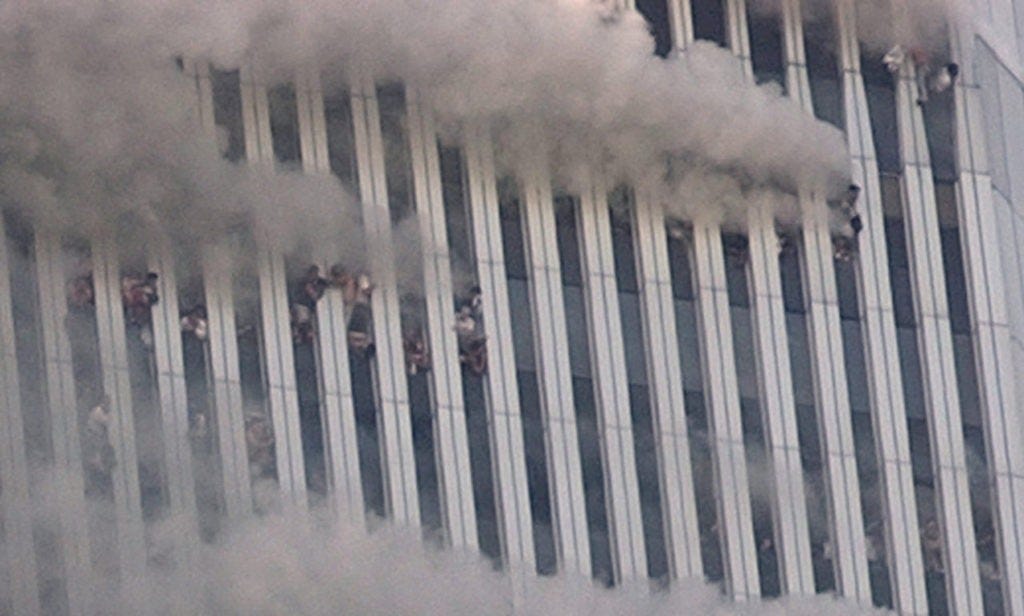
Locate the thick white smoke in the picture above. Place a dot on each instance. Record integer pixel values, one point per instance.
(95, 118)
(96, 131)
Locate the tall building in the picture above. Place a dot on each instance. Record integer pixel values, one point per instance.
(582, 383)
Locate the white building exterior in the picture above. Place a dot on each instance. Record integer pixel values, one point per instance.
(662, 400)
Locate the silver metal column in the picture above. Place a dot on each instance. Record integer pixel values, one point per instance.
(508, 458)
(226, 382)
(278, 360)
(679, 511)
(979, 237)
(778, 415)
(20, 591)
(222, 355)
(394, 422)
(888, 413)
(615, 424)
(110, 328)
(835, 422)
(451, 441)
(337, 404)
(935, 338)
(565, 473)
(725, 428)
(170, 381)
(63, 412)
(835, 426)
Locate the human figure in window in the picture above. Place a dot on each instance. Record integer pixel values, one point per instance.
(417, 358)
(194, 322)
(308, 291)
(470, 332)
(139, 295)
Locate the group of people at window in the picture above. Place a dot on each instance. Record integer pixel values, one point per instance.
(356, 289)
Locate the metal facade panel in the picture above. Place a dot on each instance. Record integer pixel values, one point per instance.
(679, 510)
(881, 352)
(337, 408)
(226, 382)
(63, 414)
(778, 410)
(451, 440)
(20, 593)
(394, 422)
(170, 382)
(936, 346)
(552, 361)
(991, 332)
(725, 429)
(833, 410)
(507, 451)
(275, 319)
(113, 350)
(615, 427)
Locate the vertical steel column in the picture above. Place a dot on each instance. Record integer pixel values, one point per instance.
(222, 356)
(337, 404)
(226, 381)
(170, 368)
(505, 423)
(798, 82)
(615, 423)
(778, 414)
(63, 413)
(451, 441)
(110, 328)
(725, 427)
(278, 360)
(881, 353)
(394, 420)
(979, 237)
(835, 422)
(935, 337)
(20, 591)
(737, 35)
(675, 477)
(679, 23)
(552, 356)
(827, 358)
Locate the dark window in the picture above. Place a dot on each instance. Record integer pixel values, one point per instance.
(656, 14)
(284, 126)
(341, 147)
(588, 434)
(881, 94)
(526, 375)
(820, 42)
(766, 45)
(620, 214)
(709, 21)
(227, 113)
(395, 134)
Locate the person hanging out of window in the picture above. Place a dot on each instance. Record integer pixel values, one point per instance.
(259, 440)
(309, 290)
(80, 289)
(97, 452)
(931, 542)
(417, 358)
(470, 332)
(847, 225)
(138, 296)
(194, 322)
(737, 249)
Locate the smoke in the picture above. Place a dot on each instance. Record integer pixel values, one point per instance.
(96, 121)
(306, 564)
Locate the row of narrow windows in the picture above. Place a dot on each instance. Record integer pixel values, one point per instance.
(473, 350)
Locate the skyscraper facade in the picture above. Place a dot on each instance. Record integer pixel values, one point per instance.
(569, 379)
